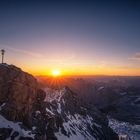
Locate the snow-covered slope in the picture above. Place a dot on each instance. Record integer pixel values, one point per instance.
(125, 128)
(14, 128)
(76, 122)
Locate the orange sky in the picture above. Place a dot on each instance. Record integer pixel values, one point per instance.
(90, 70)
(72, 64)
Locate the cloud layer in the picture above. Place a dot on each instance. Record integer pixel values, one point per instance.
(136, 56)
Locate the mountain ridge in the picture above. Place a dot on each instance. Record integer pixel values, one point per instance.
(28, 113)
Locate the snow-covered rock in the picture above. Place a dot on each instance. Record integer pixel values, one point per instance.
(16, 127)
(125, 129)
(74, 121)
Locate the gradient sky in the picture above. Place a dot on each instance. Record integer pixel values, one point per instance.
(76, 37)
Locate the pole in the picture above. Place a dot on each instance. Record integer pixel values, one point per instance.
(2, 58)
(2, 53)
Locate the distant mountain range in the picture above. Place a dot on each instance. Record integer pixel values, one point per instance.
(116, 96)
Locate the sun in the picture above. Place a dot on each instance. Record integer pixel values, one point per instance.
(56, 73)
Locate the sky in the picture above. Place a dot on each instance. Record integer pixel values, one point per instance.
(83, 37)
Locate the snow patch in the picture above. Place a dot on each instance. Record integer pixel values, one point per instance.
(125, 128)
(123, 93)
(54, 95)
(49, 111)
(76, 128)
(100, 88)
(4, 123)
(37, 113)
(59, 108)
(2, 106)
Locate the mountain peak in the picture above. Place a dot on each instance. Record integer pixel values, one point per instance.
(5, 65)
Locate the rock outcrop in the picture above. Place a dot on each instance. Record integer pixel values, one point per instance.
(18, 91)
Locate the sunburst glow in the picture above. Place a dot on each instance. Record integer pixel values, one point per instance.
(56, 73)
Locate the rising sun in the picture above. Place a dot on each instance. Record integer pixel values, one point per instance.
(56, 73)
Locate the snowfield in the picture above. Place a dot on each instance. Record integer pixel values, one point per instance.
(122, 128)
(4, 123)
(52, 94)
(76, 127)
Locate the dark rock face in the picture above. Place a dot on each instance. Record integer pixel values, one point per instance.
(53, 115)
(127, 109)
(120, 103)
(19, 91)
(67, 114)
(5, 133)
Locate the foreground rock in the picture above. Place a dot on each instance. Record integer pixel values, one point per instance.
(18, 92)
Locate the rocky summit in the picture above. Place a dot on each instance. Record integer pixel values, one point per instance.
(28, 112)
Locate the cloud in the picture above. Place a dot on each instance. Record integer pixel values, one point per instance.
(136, 56)
(26, 52)
(30, 53)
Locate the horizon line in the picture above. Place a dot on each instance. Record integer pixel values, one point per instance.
(89, 75)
